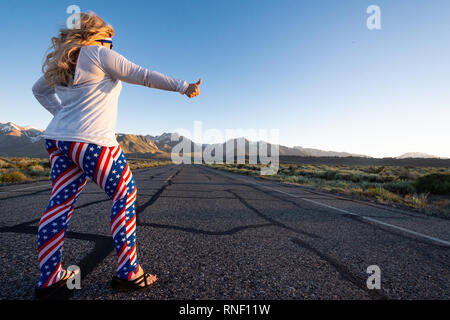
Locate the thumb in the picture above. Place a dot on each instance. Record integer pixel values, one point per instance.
(199, 82)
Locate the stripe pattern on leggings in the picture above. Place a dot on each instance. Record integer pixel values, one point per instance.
(72, 163)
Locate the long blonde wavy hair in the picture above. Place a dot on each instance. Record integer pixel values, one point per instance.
(59, 65)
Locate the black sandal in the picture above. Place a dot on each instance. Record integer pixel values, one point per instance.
(43, 293)
(122, 284)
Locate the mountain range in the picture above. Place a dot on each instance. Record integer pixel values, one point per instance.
(18, 141)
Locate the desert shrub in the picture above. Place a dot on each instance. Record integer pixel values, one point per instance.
(4, 164)
(325, 174)
(417, 201)
(295, 179)
(341, 184)
(302, 180)
(36, 170)
(291, 179)
(14, 176)
(366, 185)
(356, 177)
(359, 177)
(25, 163)
(334, 189)
(435, 183)
(400, 187)
(45, 164)
(329, 175)
(382, 194)
(375, 169)
(357, 191)
(405, 174)
(371, 192)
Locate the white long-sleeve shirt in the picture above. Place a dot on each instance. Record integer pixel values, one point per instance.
(87, 110)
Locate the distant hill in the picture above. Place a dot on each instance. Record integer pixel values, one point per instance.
(132, 144)
(164, 142)
(234, 144)
(309, 152)
(417, 155)
(284, 150)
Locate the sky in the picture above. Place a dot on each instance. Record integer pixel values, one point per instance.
(310, 69)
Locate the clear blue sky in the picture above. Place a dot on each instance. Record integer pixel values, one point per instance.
(308, 68)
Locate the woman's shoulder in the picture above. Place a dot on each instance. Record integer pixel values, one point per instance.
(90, 48)
(97, 54)
(89, 51)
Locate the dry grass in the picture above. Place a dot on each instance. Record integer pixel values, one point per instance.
(13, 176)
(23, 169)
(141, 164)
(29, 169)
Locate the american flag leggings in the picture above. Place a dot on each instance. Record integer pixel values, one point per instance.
(71, 164)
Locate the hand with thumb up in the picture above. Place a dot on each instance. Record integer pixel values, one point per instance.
(193, 89)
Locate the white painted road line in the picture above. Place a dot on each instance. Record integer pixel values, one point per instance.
(417, 234)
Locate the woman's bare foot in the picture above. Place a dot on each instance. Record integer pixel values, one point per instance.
(150, 279)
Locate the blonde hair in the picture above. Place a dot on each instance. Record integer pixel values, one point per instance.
(59, 65)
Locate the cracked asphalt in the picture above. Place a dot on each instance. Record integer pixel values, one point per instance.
(209, 234)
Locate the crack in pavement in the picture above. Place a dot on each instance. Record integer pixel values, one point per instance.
(341, 269)
(206, 232)
(272, 221)
(155, 197)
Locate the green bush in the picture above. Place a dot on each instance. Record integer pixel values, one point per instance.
(435, 183)
(400, 187)
(366, 185)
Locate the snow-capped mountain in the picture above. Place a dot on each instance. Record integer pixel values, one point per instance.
(18, 141)
(12, 129)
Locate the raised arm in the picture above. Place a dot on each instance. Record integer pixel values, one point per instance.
(118, 67)
(46, 96)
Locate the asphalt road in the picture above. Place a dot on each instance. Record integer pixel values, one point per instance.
(211, 234)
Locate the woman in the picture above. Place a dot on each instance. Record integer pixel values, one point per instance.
(86, 75)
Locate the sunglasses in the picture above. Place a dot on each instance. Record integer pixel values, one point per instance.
(106, 41)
